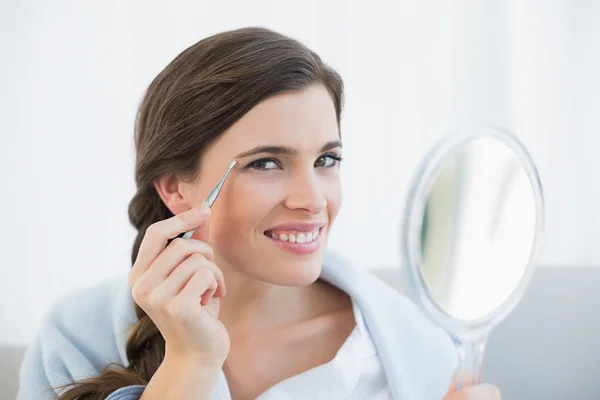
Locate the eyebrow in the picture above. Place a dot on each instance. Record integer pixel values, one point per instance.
(285, 150)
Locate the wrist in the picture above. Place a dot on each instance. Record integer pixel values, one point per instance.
(193, 362)
(183, 377)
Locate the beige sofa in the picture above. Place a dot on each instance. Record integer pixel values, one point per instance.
(549, 348)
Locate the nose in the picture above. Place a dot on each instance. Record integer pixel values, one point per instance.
(305, 193)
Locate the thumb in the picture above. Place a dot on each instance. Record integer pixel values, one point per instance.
(466, 379)
(214, 306)
(201, 232)
(483, 391)
(470, 390)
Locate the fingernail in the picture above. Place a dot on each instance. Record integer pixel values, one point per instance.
(203, 210)
(484, 392)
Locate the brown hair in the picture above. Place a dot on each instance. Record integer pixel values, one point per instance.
(196, 98)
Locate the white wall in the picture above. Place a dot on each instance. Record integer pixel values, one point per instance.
(72, 73)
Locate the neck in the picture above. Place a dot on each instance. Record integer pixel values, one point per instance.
(253, 307)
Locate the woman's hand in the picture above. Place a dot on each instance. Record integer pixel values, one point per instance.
(179, 286)
(478, 392)
(482, 391)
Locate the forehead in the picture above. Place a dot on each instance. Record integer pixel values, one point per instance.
(303, 119)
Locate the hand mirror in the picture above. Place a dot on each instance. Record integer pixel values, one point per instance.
(471, 236)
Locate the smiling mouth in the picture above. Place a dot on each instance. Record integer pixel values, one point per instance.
(295, 236)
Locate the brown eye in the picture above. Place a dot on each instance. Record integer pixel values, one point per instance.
(263, 164)
(328, 160)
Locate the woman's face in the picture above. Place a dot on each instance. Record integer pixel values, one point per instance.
(275, 211)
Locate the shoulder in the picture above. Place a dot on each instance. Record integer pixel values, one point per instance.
(417, 354)
(97, 318)
(107, 305)
(80, 334)
(375, 291)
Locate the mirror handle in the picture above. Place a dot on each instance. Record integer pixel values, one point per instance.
(470, 359)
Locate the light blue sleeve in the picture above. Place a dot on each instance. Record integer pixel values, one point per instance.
(54, 360)
(34, 383)
(77, 339)
(127, 393)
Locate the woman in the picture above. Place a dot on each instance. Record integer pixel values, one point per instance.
(251, 306)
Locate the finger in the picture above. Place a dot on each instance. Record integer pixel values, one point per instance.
(221, 291)
(167, 290)
(201, 232)
(482, 391)
(180, 251)
(465, 379)
(183, 249)
(194, 262)
(207, 297)
(158, 235)
(195, 291)
(452, 387)
(213, 307)
(175, 253)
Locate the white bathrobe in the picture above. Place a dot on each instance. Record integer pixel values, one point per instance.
(88, 330)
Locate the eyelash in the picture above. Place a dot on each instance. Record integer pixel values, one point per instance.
(254, 164)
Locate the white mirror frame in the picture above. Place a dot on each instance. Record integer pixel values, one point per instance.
(412, 227)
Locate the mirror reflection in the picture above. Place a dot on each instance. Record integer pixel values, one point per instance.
(478, 229)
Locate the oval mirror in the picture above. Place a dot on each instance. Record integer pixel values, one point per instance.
(471, 238)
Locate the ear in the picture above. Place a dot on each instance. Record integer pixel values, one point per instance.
(171, 191)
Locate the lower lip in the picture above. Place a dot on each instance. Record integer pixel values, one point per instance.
(298, 248)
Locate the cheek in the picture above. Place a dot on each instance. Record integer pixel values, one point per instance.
(332, 191)
(248, 203)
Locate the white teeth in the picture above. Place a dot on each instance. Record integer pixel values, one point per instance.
(296, 237)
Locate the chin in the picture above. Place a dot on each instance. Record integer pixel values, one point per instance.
(302, 273)
(293, 272)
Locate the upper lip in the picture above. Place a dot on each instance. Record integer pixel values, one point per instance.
(301, 226)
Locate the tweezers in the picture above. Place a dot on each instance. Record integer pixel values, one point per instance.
(212, 196)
